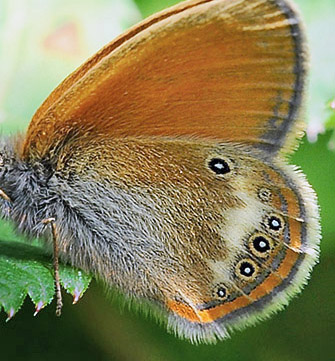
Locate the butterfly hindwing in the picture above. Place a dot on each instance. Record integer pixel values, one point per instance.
(271, 236)
(216, 234)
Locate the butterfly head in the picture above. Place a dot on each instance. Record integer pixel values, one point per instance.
(19, 181)
(8, 166)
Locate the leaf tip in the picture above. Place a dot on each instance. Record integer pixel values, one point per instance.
(10, 314)
(39, 306)
(76, 296)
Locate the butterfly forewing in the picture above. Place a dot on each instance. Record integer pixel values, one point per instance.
(227, 70)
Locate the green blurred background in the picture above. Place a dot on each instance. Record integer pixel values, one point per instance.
(41, 41)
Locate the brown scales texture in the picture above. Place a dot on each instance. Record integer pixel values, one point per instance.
(203, 71)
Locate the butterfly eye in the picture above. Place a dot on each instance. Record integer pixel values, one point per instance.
(275, 223)
(220, 292)
(219, 166)
(260, 245)
(246, 269)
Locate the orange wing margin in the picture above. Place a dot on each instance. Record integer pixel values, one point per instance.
(230, 70)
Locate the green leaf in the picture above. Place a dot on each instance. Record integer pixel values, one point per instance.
(26, 270)
(74, 281)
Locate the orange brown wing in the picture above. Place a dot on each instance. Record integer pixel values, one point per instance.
(229, 70)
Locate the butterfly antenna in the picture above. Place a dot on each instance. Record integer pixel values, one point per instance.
(4, 196)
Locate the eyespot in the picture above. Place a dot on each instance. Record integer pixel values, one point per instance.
(246, 269)
(260, 245)
(275, 223)
(220, 292)
(264, 194)
(219, 166)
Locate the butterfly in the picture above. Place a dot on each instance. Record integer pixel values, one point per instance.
(161, 165)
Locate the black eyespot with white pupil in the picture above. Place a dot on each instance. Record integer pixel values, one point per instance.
(261, 244)
(221, 292)
(275, 223)
(246, 269)
(219, 166)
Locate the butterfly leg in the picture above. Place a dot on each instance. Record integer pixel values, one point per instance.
(59, 305)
